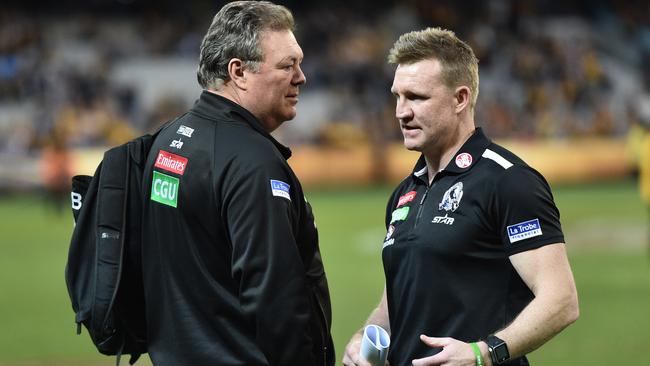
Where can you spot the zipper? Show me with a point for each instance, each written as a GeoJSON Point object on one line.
{"type": "Point", "coordinates": [420, 206]}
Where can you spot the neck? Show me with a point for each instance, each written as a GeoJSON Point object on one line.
{"type": "Point", "coordinates": [233, 95]}
{"type": "Point", "coordinates": [229, 93]}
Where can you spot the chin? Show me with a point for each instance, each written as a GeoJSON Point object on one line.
{"type": "Point", "coordinates": [412, 145]}
{"type": "Point", "coordinates": [289, 115]}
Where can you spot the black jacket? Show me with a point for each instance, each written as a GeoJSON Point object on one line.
{"type": "Point", "coordinates": [233, 273]}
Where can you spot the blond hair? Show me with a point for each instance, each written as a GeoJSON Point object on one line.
{"type": "Point", "coordinates": [459, 64]}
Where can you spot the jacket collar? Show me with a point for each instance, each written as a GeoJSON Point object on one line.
{"type": "Point", "coordinates": [464, 159]}
{"type": "Point", "coordinates": [216, 107]}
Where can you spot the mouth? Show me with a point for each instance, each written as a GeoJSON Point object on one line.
{"type": "Point", "coordinates": [406, 127]}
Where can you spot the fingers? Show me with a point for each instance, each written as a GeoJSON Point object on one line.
{"type": "Point", "coordinates": [437, 359]}
{"type": "Point", "coordinates": [352, 356]}
{"type": "Point", "coordinates": [434, 342]}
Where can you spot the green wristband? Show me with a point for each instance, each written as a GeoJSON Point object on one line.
{"type": "Point", "coordinates": [477, 353]}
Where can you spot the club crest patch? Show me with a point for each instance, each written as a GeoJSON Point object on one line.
{"type": "Point", "coordinates": [451, 198]}
{"type": "Point", "coordinates": [280, 189]}
{"type": "Point", "coordinates": [524, 230]}
{"type": "Point", "coordinates": [463, 160]}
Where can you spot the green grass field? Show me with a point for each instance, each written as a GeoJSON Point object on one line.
{"type": "Point", "coordinates": [605, 226]}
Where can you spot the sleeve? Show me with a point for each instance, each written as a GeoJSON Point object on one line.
{"type": "Point", "coordinates": [527, 215]}
{"type": "Point", "coordinates": [261, 217]}
{"type": "Point", "coordinates": [390, 205]}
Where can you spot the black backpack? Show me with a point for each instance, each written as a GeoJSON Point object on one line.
{"type": "Point", "coordinates": [104, 270]}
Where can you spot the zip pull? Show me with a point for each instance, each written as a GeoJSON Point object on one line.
{"type": "Point", "coordinates": [424, 196]}
{"type": "Point", "coordinates": [417, 216]}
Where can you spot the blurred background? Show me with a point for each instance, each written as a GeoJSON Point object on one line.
{"type": "Point", "coordinates": [564, 84]}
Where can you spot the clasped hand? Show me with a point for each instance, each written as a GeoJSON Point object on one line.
{"type": "Point", "coordinates": [454, 353]}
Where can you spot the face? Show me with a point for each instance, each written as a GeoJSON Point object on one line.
{"type": "Point", "coordinates": [272, 92]}
{"type": "Point", "coordinates": [425, 107]}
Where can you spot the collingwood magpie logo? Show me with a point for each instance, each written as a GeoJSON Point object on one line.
{"type": "Point", "coordinates": [450, 202]}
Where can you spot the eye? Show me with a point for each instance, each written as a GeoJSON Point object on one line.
{"type": "Point", "coordinates": [413, 96]}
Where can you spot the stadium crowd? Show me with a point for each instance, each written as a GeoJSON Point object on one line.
{"type": "Point", "coordinates": [99, 74]}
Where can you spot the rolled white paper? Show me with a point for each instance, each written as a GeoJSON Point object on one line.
{"type": "Point", "coordinates": [374, 345]}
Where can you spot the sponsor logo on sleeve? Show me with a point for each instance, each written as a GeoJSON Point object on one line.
{"type": "Point", "coordinates": [171, 162]}
{"type": "Point", "coordinates": [177, 144]}
{"type": "Point", "coordinates": [463, 160]}
{"type": "Point", "coordinates": [524, 230]}
{"type": "Point", "coordinates": [280, 189]}
{"type": "Point", "coordinates": [185, 131]}
{"type": "Point", "coordinates": [408, 197]}
{"type": "Point", "coordinates": [164, 189]}
{"type": "Point", "coordinates": [399, 214]}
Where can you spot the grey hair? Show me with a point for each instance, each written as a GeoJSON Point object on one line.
{"type": "Point", "coordinates": [458, 61]}
{"type": "Point", "coordinates": [236, 32]}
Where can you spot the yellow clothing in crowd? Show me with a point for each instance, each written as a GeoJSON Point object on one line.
{"type": "Point", "coordinates": [644, 167]}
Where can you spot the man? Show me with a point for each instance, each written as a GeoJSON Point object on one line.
{"type": "Point", "coordinates": [233, 273]}
{"type": "Point", "coordinates": [474, 255]}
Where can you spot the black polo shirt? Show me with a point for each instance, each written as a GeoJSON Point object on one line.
{"type": "Point", "coordinates": [447, 246]}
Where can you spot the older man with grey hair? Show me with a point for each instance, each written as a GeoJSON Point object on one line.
{"type": "Point", "coordinates": [232, 271]}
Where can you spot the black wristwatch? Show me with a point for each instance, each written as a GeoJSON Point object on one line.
{"type": "Point", "coordinates": [498, 350]}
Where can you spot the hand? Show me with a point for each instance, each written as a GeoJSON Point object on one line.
{"type": "Point", "coordinates": [454, 353]}
{"type": "Point", "coordinates": [352, 356]}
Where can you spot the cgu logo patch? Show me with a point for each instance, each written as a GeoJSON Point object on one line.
{"type": "Point", "coordinates": [408, 197]}
{"type": "Point", "coordinates": [164, 189]}
{"type": "Point", "coordinates": [399, 214]}
{"type": "Point", "coordinates": [171, 162]}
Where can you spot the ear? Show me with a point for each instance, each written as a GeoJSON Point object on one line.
{"type": "Point", "coordinates": [462, 98]}
{"type": "Point", "coordinates": [236, 73]}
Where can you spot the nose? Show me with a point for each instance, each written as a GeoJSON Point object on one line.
{"type": "Point", "coordinates": [299, 77]}
{"type": "Point", "coordinates": [403, 111]}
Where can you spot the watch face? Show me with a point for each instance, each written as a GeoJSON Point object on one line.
{"type": "Point", "coordinates": [498, 350]}
{"type": "Point", "coordinates": [501, 352]}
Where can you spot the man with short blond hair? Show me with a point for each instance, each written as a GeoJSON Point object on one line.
{"type": "Point", "coordinates": [474, 256]}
